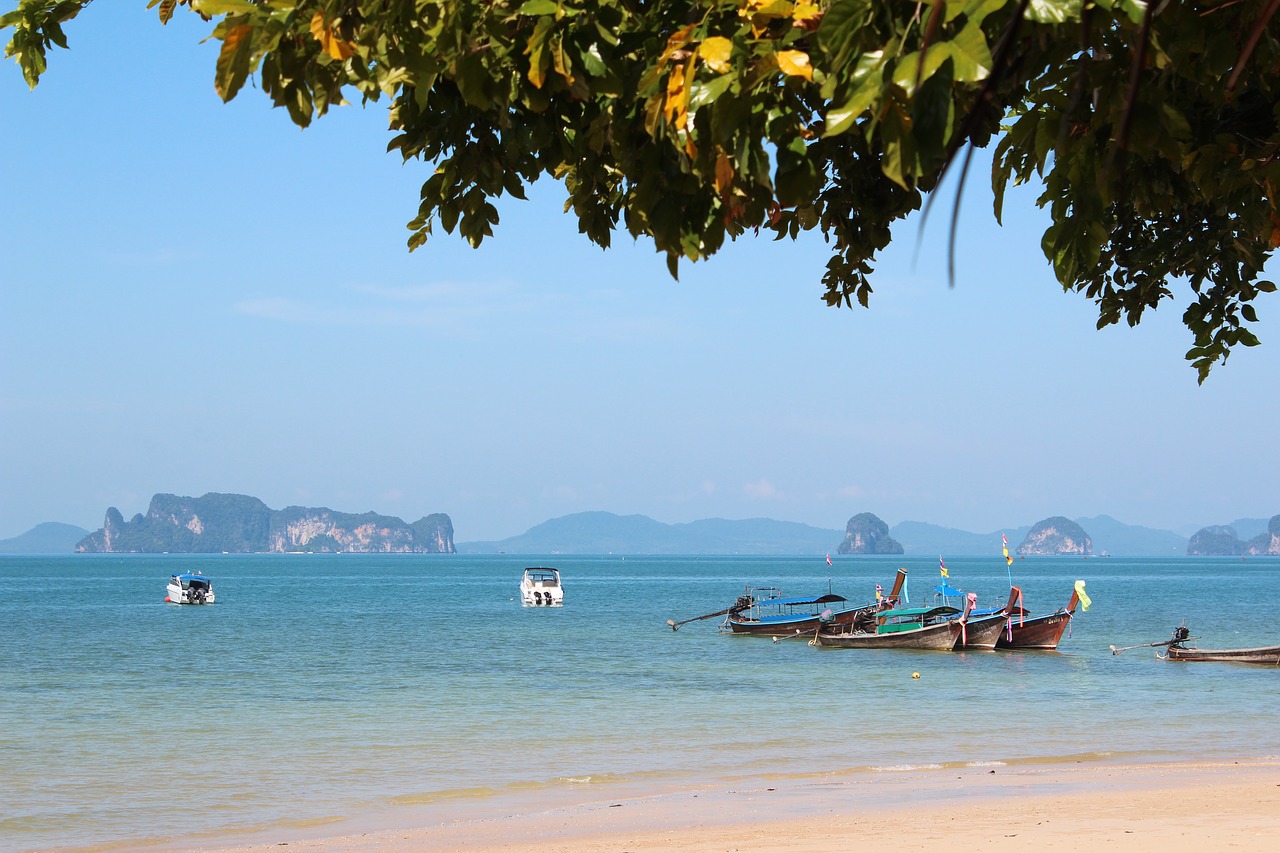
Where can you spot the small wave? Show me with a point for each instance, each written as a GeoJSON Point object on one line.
{"type": "Point", "coordinates": [905, 768]}
{"type": "Point", "coordinates": [429, 797]}
{"type": "Point", "coordinates": [986, 764]}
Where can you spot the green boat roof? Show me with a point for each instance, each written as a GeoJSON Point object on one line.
{"type": "Point", "coordinates": [919, 611]}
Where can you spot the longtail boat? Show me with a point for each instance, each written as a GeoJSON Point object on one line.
{"type": "Point", "coordinates": [1177, 650]}
{"type": "Point", "coordinates": [1041, 632]}
{"type": "Point", "coordinates": [1268, 655]}
{"type": "Point", "coordinates": [935, 628]}
{"type": "Point", "coordinates": [774, 616]}
{"type": "Point", "coordinates": [985, 628]}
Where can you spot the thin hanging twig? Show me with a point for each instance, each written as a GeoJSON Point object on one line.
{"type": "Point", "coordinates": [1254, 36]}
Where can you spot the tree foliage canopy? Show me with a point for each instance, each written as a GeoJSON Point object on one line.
{"type": "Point", "coordinates": [1154, 128]}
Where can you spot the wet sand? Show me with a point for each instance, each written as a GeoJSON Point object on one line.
{"type": "Point", "coordinates": [1148, 807]}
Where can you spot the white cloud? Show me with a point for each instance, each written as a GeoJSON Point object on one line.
{"type": "Point", "coordinates": [762, 488]}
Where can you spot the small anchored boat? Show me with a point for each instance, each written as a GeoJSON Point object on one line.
{"type": "Point", "coordinates": [541, 587]}
{"type": "Point", "coordinates": [1176, 650]}
{"type": "Point", "coordinates": [189, 588]}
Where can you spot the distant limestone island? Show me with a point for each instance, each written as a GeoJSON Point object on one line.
{"type": "Point", "coordinates": [1222, 541]}
{"type": "Point", "coordinates": [1056, 536]}
{"type": "Point", "coordinates": [239, 524]}
{"type": "Point", "coordinates": [867, 534]}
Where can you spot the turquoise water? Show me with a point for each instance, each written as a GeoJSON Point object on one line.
{"type": "Point", "coordinates": [322, 688]}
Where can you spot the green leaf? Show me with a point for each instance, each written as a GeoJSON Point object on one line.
{"type": "Point", "coordinates": [910, 72]}
{"type": "Point", "coordinates": [539, 58]}
{"type": "Point", "coordinates": [867, 89]}
{"type": "Point", "coordinates": [539, 7]}
{"type": "Point", "coordinates": [704, 93]}
{"type": "Point", "coordinates": [233, 61]}
{"type": "Point", "coordinates": [970, 53]}
{"type": "Point", "coordinates": [839, 31]}
{"type": "Point", "coordinates": [1054, 11]}
{"type": "Point", "coordinates": [223, 7]}
{"type": "Point", "coordinates": [797, 177]}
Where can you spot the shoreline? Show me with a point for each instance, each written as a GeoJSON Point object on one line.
{"type": "Point", "coordinates": [1072, 807]}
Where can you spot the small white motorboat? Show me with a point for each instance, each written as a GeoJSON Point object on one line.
{"type": "Point", "coordinates": [189, 588]}
{"type": "Point", "coordinates": [540, 587]}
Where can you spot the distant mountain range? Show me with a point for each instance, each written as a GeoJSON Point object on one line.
{"type": "Point", "coordinates": [606, 532]}
{"type": "Point", "coordinates": [51, 537]}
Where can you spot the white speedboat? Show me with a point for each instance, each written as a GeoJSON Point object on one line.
{"type": "Point", "coordinates": [540, 587]}
{"type": "Point", "coordinates": [189, 588]}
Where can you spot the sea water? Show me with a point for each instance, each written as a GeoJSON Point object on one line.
{"type": "Point", "coordinates": [327, 687]}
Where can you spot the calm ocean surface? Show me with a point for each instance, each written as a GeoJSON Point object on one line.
{"type": "Point", "coordinates": [320, 688]}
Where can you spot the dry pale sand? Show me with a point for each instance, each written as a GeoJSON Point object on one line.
{"type": "Point", "coordinates": [1201, 807]}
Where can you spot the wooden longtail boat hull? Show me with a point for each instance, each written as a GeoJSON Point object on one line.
{"type": "Point", "coordinates": [1041, 632]}
{"type": "Point", "coordinates": [1267, 655]}
{"type": "Point", "coordinates": [940, 637]}
{"type": "Point", "coordinates": [798, 625]}
{"type": "Point", "coordinates": [983, 633]}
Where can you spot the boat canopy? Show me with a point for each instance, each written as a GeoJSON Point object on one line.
{"type": "Point", "coordinates": [947, 590]}
{"type": "Point", "coordinates": [919, 612]}
{"type": "Point", "coordinates": [825, 598]}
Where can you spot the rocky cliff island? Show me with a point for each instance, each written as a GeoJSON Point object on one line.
{"type": "Point", "coordinates": [1055, 536]}
{"type": "Point", "coordinates": [1221, 541]}
{"type": "Point", "coordinates": [239, 524]}
{"type": "Point", "coordinates": [867, 534]}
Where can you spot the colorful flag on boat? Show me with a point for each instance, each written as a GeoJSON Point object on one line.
{"type": "Point", "coordinates": [1007, 559]}
{"type": "Point", "coordinates": [942, 567]}
{"type": "Point", "coordinates": [879, 592]}
{"type": "Point", "coordinates": [828, 559]}
{"type": "Point", "coordinates": [1084, 599]}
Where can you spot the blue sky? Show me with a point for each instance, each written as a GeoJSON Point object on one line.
{"type": "Point", "coordinates": [201, 297]}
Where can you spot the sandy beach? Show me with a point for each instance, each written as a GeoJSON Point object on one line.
{"type": "Point", "coordinates": [1157, 807]}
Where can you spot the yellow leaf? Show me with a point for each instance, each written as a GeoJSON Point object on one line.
{"type": "Point", "coordinates": [329, 43]}
{"type": "Point", "coordinates": [560, 60]}
{"type": "Point", "coordinates": [795, 63]}
{"type": "Point", "coordinates": [677, 41]}
{"type": "Point", "coordinates": [724, 173]}
{"type": "Point", "coordinates": [806, 15]}
{"type": "Point", "coordinates": [318, 29]}
{"type": "Point", "coordinates": [676, 110]}
{"type": "Point", "coordinates": [715, 51]}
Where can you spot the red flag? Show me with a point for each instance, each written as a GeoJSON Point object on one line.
{"type": "Point", "coordinates": [828, 559]}
{"type": "Point", "coordinates": [1005, 538]}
